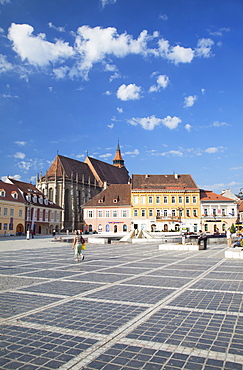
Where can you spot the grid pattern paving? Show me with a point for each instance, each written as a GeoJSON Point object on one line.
{"type": "Point", "coordinates": [126, 306]}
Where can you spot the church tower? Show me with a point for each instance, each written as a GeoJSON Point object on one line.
{"type": "Point", "coordinates": [118, 160]}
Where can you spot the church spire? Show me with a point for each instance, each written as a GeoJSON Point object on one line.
{"type": "Point", "coordinates": [118, 160]}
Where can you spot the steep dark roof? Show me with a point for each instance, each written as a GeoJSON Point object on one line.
{"type": "Point", "coordinates": [68, 166]}
{"type": "Point", "coordinates": [26, 188]}
{"type": "Point", "coordinates": [107, 172]}
{"type": "Point", "coordinates": [115, 195]}
{"type": "Point", "coordinates": [9, 190]}
{"type": "Point", "coordinates": [161, 182]}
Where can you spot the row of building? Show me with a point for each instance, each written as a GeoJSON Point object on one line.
{"type": "Point", "coordinates": [95, 196]}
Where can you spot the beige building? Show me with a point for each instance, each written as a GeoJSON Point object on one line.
{"type": "Point", "coordinates": [12, 210]}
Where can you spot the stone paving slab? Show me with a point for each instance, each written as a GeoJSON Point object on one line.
{"type": "Point", "coordinates": [126, 307]}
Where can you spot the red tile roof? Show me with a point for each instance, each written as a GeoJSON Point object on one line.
{"type": "Point", "coordinates": [121, 193]}
{"type": "Point", "coordinates": [163, 182]}
{"type": "Point", "coordinates": [209, 196]}
{"type": "Point", "coordinates": [10, 189]}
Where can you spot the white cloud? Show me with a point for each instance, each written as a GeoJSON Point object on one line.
{"type": "Point", "coordinates": [119, 110]}
{"type": "Point", "coordinates": [20, 143]}
{"type": "Point", "coordinates": [176, 54]}
{"type": "Point", "coordinates": [111, 125]}
{"type": "Point", "coordinates": [203, 91]}
{"type": "Point", "coordinates": [36, 49]}
{"type": "Point", "coordinates": [129, 92]}
{"type": "Point", "coordinates": [16, 177]}
{"type": "Point", "coordinates": [135, 152]}
{"type": "Point", "coordinates": [204, 48]}
{"type": "Point", "coordinates": [162, 82]}
{"type": "Point", "coordinates": [19, 155]}
{"type": "Point", "coordinates": [108, 93]}
{"type": "Point", "coordinates": [188, 127]}
{"type": "Point", "coordinates": [59, 29]}
{"type": "Point", "coordinates": [189, 101]}
{"type": "Point", "coordinates": [213, 150]}
{"type": "Point", "coordinates": [149, 123]}
{"type": "Point", "coordinates": [4, 64]}
{"type": "Point", "coordinates": [2, 2]}
{"type": "Point", "coordinates": [164, 17]}
{"type": "Point", "coordinates": [25, 166]}
{"type": "Point", "coordinates": [61, 72]}
{"type": "Point", "coordinates": [106, 2]}
{"type": "Point", "coordinates": [219, 124]}
{"type": "Point", "coordinates": [105, 156]}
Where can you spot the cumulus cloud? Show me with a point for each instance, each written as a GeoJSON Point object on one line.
{"type": "Point", "coordinates": [204, 47]}
{"type": "Point", "coordinates": [36, 49]}
{"type": "Point", "coordinates": [25, 166]}
{"type": "Point", "coordinates": [189, 101]}
{"type": "Point", "coordinates": [61, 72]}
{"type": "Point", "coordinates": [149, 123]}
{"type": "Point", "coordinates": [219, 124]}
{"type": "Point", "coordinates": [129, 92]}
{"type": "Point", "coordinates": [213, 150]}
{"type": "Point", "coordinates": [105, 156]}
{"type": "Point", "coordinates": [20, 143]}
{"type": "Point", "coordinates": [162, 82]}
{"type": "Point", "coordinates": [97, 45]}
{"type": "Point", "coordinates": [119, 110]}
{"type": "Point", "coordinates": [4, 64]}
{"type": "Point", "coordinates": [19, 155]}
{"type": "Point", "coordinates": [106, 2]}
{"type": "Point", "coordinates": [188, 127]}
{"type": "Point", "coordinates": [133, 153]}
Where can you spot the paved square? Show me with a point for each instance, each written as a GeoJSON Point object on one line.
{"type": "Point", "coordinates": [126, 306]}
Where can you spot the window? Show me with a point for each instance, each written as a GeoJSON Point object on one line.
{"type": "Point", "coordinates": [5, 226]}
{"type": "Point", "coordinates": [107, 213]}
{"type": "Point", "coordinates": [0, 211]}
{"type": "Point", "coordinates": [223, 211]}
{"type": "Point", "coordinates": [205, 212]}
{"type": "Point", "coordinates": [165, 199]}
{"type": "Point", "coordinates": [173, 199]}
{"type": "Point", "coordinates": [195, 228]}
{"type": "Point", "coordinates": [165, 213]}
{"type": "Point", "coordinates": [158, 212]}
{"type": "Point", "coordinates": [124, 227]}
{"type": "Point", "coordinates": [90, 214]}
{"type": "Point", "coordinates": [114, 213]}
{"type": "Point", "coordinates": [99, 213]}
{"type": "Point", "coordinates": [14, 195]}
{"type": "Point", "coordinates": [232, 212]}
{"type": "Point", "coordinates": [2, 193]}
{"type": "Point", "coordinates": [150, 213]}
{"type": "Point", "coordinates": [206, 227]}
{"type": "Point", "coordinates": [135, 212]}
{"type": "Point", "coordinates": [143, 199]}
{"type": "Point", "coordinates": [157, 199]}
{"type": "Point", "coordinates": [143, 213]}
{"type": "Point", "coordinates": [214, 211]}
{"type": "Point", "coordinates": [180, 199]}
{"type": "Point", "coordinates": [135, 199]}
{"type": "Point", "coordinates": [41, 214]}
{"type": "Point", "coordinates": [188, 212]}
{"type": "Point", "coordinates": [5, 211]}
{"type": "Point", "coordinates": [195, 213]}
{"type": "Point", "coordinates": [194, 199]}
{"type": "Point", "coordinates": [180, 212]}
{"type": "Point", "coordinates": [0, 226]}
{"type": "Point", "coordinates": [11, 212]}
{"type": "Point", "coordinates": [150, 200]}
{"type": "Point", "coordinates": [173, 213]}
{"type": "Point", "coordinates": [187, 199]}
{"type": "Point", "coordinates": [124, 213]}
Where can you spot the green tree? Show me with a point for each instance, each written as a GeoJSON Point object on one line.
{"type": "Point", "coordinates": [232, 229]}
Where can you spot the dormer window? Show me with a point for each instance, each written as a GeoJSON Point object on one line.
{"type": "Point", "coordinates": [100, 201]}
{"type": "Point", "coordinates": [14, 194]}
{"type": "Point", "coordinates": [35, 199]}
{"type": "Point", "coordinates": [2, 193]}
{"type": "Point", "coordinates": [114, 200]}
{"type": "Point", "coordinates": [28, 197]}
{"type": "Point", "coordinates": [46, 201]}
{"type": "Point", "coordinates": [41, 200]}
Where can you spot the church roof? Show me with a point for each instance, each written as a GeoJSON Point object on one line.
{"type": "Point", "coordinates": [163, 182]}
{"type": "Point", "coordinates": [105, 172]}
{"type": "Point", "coordinates": [68, 166]}
{"type": "Point", "coordinates": [115, 195]}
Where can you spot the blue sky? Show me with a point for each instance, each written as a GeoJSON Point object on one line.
{"type": "Point", "coordinates": [163, 77]}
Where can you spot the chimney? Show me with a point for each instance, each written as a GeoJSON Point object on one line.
{"type": "Point", "coordinates": [176, 176]}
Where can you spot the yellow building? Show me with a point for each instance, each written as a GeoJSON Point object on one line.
{"type": "Point", "coordinates": [165, 203]}
{"type": "Point", "coordinates": [12, 210]}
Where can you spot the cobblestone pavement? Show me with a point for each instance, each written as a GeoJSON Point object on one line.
{"type": "Point", "coordinates": [126, 306]}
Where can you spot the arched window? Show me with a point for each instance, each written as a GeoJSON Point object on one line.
{"type": "Point", "coordinates": [107, 228]}
{"type": "Point", "coordinates": [115, 228]}
{"type": "Point", "coordinates": [124, 228]}
{"type": "Point", "coordinates": [50, 194]}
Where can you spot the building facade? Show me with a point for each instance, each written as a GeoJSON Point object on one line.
{"type": "Point", "coordinates": [41, 215]}
{"type": "Point", "coordinates": [109, 211]}
{"type": "Point", "coordinates": [217, 212]}
{"type": "Point", "coordinates": [71, 183]}
{"type": "Point", "coordinates": [12, 210]}
{"type": "Point", "coordinates": [165, 203]}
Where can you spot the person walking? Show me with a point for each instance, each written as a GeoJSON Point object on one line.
{"type": "Point", "coordinates": [202, 237]}
{"type": "Point", "coordinates": [229, 237]}
{"type": "Point", "coordinates": [78, 245]}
